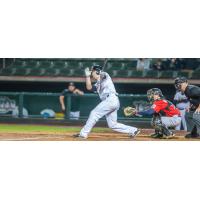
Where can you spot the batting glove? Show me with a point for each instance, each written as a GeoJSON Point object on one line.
{"type": "Point", "coordinates": [87, 72]}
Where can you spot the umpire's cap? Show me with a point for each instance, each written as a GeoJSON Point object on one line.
{"type": "Point", "coordinates": [178, 81]}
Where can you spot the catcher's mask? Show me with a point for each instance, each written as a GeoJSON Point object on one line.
{"type": "Point", "coordinates": [152, 92]}
{"type": "Point", "coordinates": [97, 68]}
{"type": "Point", "coordinates": [178, 81]}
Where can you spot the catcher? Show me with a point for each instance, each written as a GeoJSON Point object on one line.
{"type": "Point", "coordinates": [165, 114]}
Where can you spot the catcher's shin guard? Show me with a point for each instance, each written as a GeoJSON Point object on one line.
{"type": "Point", "coordinates": [156, 121]}
{"type": "Point", "coordinates": [157, 134]}
{"type": "Point", "coordinates": [166, 131]}
{"type": "Point", "coordinates": [159, 126]}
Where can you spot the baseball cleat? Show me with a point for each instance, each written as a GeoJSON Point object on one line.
{"type": "Point", "coordinates": [135, 133]}
{"type": "Point", "coordinates": [79, 136]}
{"type": "Point", "coordinates": [192, 135]}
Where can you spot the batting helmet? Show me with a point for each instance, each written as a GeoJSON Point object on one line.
{"type": "Point", "coordinates": [152, 92]}
{"type": "Point", "coordinates": [97, 68]}
{"type": "Point", "coordinates": [178, 81]}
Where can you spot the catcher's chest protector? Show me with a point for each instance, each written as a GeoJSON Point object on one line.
{"type": "Point", "coordinates": [165, 108]}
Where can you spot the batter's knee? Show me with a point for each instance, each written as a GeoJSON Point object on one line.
{"type": "Point", "coordinates": [94, 115]}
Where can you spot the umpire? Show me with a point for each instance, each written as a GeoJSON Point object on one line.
{"type": "Point", "coordinates": [193, 114]}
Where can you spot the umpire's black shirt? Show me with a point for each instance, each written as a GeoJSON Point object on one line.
{"type": "Point", "coordinates": [193, 94]}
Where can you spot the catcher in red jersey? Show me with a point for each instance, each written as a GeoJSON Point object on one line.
{"type": "Point", "coordinates": [165, 114]}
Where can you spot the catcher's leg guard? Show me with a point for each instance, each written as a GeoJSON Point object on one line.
{"type": "Point", "coordinates": [155, 120]}
{"type": "Point", "coordinates": [160, 128]}
{"type": "Point", "coordinates": [157, 134]}
{"type": "Point", "coordinates": [166, 132]}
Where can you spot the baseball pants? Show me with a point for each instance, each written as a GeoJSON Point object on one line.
{"type": "Point", "coordinates": [171, 122]}
{"type": "Point", "coordinates": [193, 120]}
{"type": "Point", "coordinates": [107, 108]}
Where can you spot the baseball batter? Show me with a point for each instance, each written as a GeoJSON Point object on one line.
{"type": "Point", "coordinates": [109, 103]}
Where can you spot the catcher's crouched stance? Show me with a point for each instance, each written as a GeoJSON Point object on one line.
{"type": "Point", "coordinates": [165, 114]}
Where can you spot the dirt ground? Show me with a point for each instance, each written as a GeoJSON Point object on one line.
{"type": "Point", "coordinates": [95, 136]}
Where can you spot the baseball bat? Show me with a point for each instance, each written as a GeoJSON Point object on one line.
{"type": "Point", "coordinates": [105, 63]}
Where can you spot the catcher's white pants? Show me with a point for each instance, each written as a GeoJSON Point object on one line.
{"type": "Point", "coordinates": [171, 122]}
{"type": "Point", "coordinates": [108, 108]}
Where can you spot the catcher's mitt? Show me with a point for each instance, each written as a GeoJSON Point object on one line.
{"type": "Point", "coordinates": [130, 111]}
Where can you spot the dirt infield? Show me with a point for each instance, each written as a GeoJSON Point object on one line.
{"type": "Point", "coordinates": [94, 136]}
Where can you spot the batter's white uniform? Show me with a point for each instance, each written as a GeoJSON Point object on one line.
{"type": "Point", "coordinates": [108, 107]}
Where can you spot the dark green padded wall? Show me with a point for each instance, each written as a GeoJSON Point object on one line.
{"type": "Point", "coordinates": [35, 104]}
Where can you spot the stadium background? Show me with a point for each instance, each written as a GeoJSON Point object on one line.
{"type": "Point", "coordinates": [42, 80]}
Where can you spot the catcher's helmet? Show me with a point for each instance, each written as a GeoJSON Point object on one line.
{"type": "Point", "coordinates": [152, 92]}
{"type": "Point", "coordinates": [178, 81]}
{"type": "Point", "coordinates": [97, 68]}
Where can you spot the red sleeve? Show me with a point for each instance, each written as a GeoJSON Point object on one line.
{"type": "Point", "coordinates": [159, 105]}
